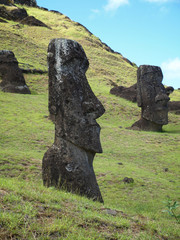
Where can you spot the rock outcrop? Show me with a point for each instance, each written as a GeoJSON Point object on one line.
{"type": "Point", "coordinates": [129, 93]}
{"type": "Point", "coordinates": [12, 78]}
{"type": "Point", "coordinates": [32, 21]}
{"type": "Point", "coordinates": [31, 3]}
{"type": "Point", "coordinates": [6, 2]}
{"type": "Point", "coordinates": [174, 106]}
{"type": "Point", "coordinates": [20, 15]}
{"type": "Point", "coordinates": [15, 14]}
{"type": "Point", "coordinates": [152, 98]}
{"type": "Point", "coordinates": [74, 109]}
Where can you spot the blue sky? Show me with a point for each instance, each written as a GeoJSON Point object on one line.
{"type": "Point", "coordinates": [144, 31]}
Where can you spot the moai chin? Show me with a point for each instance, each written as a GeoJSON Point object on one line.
{"type": "Point", "coordinates": [74, 109]}
{"type": "Point", "coordinates": [153, 99]}
{"type": "Point", "coordinates": [12, 77]}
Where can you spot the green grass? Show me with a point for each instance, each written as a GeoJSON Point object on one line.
{"type": "Point", "coordinates": [28, 210]}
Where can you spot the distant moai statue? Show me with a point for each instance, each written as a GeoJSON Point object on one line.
{"type": "Point", "coordinates": [74, 109]}
{"type": "Point", "coordinates": [153, 99]}
{"type": "Point", "coordinates": [31, 3]}
{"type": "Point", "coordinates": [12, 77]}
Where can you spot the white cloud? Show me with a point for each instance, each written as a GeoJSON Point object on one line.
{"type": "Point", "coordinates": [96, 11]}
{"type": "Point", "coordinates": [115, 4]}
{"type": "Point", "coordinates": [171, 72]}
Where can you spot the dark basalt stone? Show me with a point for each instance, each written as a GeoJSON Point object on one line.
{"type": "Point", "coordinates": [6, 2]}
{"type": "Point", "coordinates": [20, 15]}
{"type": "Point", "coordinates": [16, 14]}
{"type": "Point", "coordinates": [12, 78]}
{"type": "Point", "coordinates": [31, 3]}
{"type": "Point", "coordinates": [152, 98]}
{"type": "Point", "coordinates": [128, 180]}
{"type": "Point", "coordinates": [74, 109]}
{"type": "Point", "coordinates": [174, 106]}
{"type": "Point", "coordinates": [129, 93]}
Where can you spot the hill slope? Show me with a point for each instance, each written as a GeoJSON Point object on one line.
{"type": "Point", "coordinates": [131, 211]}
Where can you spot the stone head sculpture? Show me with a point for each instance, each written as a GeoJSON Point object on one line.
{"type": "Point", "coordinates": [72, 104]}
{"type": "Point", "coordinates": [152, 97]}
{"type": "Point", "coordinates": [74, 109]}
{"type": "Point", "coordinates": [12, 77]}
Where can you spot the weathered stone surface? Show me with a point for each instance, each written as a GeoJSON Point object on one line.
{"type": "Point", "coordinates": [152, 98]}
{"type": "Point", "coordinates": [174, 106]}
{"type": "Point", "coordinates": [129, 93]}
{"type": "Point", "coordinates": [31, 3]}
{"type": "Point", "coordinates": [74, 109]}
{"type": "Point", "coordinates": [169, 90]}
{"type": "Point", "coordinates": [20, 15]}
{"type": "Point", "coordinates": [12, 77]}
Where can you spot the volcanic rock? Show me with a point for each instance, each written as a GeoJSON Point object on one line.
{"type": "Point", "coordinates": [152, 98]}
{"type": "Point", "coordinates": [174, 106]}
{"type": "Point", "coordinates": [12, 78]}
{"type": "Point", "coordinates": [74, 109]}
{"type": "Point", "coordinates": [32, 21]}
{"type": "Point", "coordinates": [128, 180]}
{"type": "Point", "coordinates": [31, 3]}
{"type": "Point", "coordinates": [129, 93]}
{"type": "Point", "coordinates": [15, 14]}
{"type": "Point", "coordinates": [6, 2]}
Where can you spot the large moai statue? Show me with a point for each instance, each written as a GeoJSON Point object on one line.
{"type": "Point", "coordinates": [12, 77]}
{"type": "Point", "coordinates": [153, 99]}
{"type": "Point", "coordinates": [74, 109]}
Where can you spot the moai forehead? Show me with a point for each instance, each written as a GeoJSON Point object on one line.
{"type": "Point", "coordinates": [149, 83]}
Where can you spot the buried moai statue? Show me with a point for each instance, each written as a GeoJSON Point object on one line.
{"type": "Point", "coordinates": [12, 77]}
{"type": "Point", "coordinates": [74, 108]}
{"type": "Point", "coordinates": [153, 99]}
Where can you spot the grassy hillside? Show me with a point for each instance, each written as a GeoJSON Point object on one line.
{"type": "Point", "coordinates": [131, 211]}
